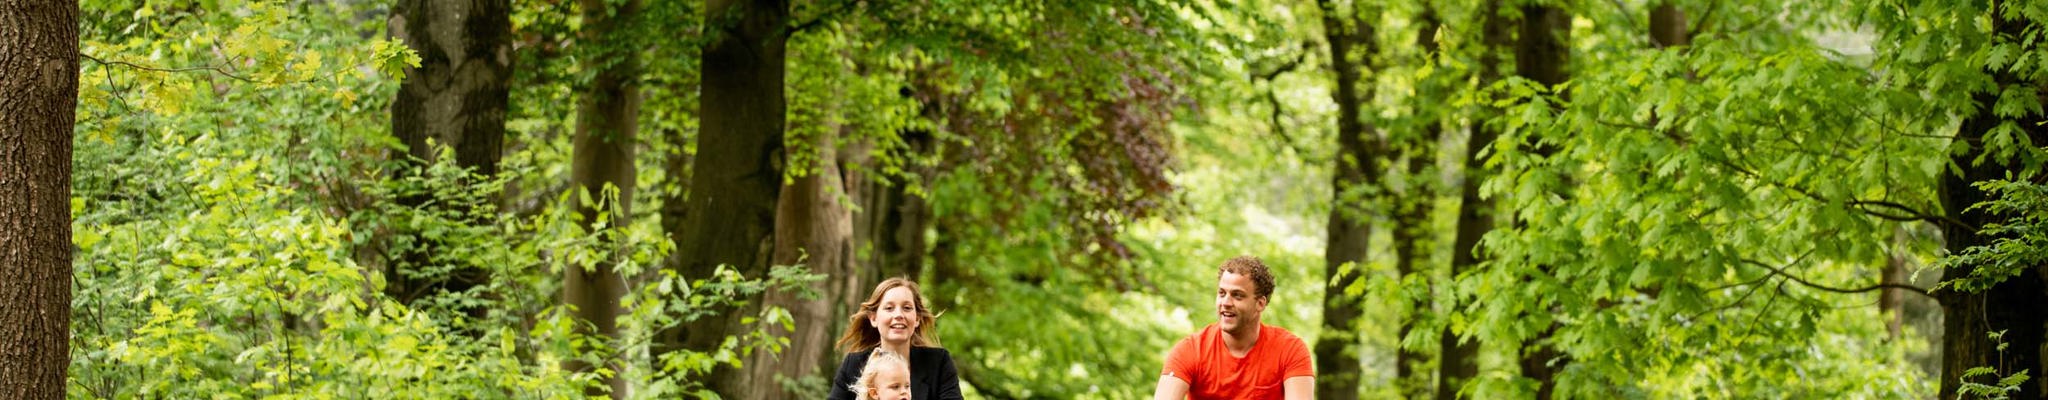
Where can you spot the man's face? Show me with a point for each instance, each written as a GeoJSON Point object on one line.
{"type": "Point", "coordinates": [1237, 302]}
{"type": "Point", "coordinates": [891, 384]}
{"type": "Point", "coordinates": [896, 316]}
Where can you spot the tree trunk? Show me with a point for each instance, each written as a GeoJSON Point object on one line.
{"type": "Point", "coordinates": [737, 176]}
{"type": "Point", "coordinates": [1413, 236]}
{"type": "Point", "coordinates": [1352, 173]}
{"type": "Point", "coordinates": [38, 99]}
{"type": "Point", "coordinates": [893, 220]}
{"type": "Point", "coordinates": [889, 229]}
{"type": "Point", "coordinates": [1542, 52]}
{"type": "Point", "coordinates": [814, 229]}
{"type": "Point", "coordinates": [1476, 215]}
{"type": "Point", "coordinates": [2013, 306]}
{"type": "Point", "coordinates": [456, 97]}
{"type": "Point", "coordinates": [1668, 27]}
{"type": "Point", "coordinates": [603, 156]}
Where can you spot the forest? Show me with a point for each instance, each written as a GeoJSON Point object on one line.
{"type": "Point", "coordinates": [645, 199]}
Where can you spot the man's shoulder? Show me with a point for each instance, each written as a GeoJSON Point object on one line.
{"type": "Point", "coordinates": [1281, 335]}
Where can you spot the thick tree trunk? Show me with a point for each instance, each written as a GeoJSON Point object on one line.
{"type": "Point", "coordinates": [457, 98]}
{"type": "Point", "coordinates": [603, 156]}
{"type": "Point", "coordinates": [738, 172]}
{"type": "Point", "coordinates": [1355, 170]}
{"type": "Point", "coordinates": [814, 229]}
{"type": "Point", "coordinates": [1542, 51]}
{"type": "Point", "coordinates": [892, 224]}
{"type": "Point", "coordinates": [889, 229]}
{"type": "Point", "coordinates": [1476, 215]}
{"type": "Point", "coordinates": [2015, 305]}
{"type": "Point", "coordinates": [38, 96]}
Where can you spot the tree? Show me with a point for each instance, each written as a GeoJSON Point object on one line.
{"type": "Point", "coordinates": [1998, 324]}
{"type": "Point", "coordinates": [38, 98]}
{"type": "Point", "coordinates": [602, 170]}
{"type": "Point", "coordinates": [1476, 214]}
{"type": "Point", "coordinates": [812, 228]}
{"type": "Point", "coordinates": [1414, 235]}
{"type": "Point", "coordinates": [1350, 30]}
{"type": "Point", "coordinates": [736, 177]}
{"type": "Point", "coordinates": [455, 99]}
{"type": "Point", "coordinates": [1542, 53]}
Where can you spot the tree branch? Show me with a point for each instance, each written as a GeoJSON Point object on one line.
{"type": "Point", "coordinates": [821, 18]}
{"type": "Point", "coordinates": [1274, 100]}
{"type": "Point", "coordinates": [212, 68]}
{"type": "Point", "coordinates": [1810, 284]}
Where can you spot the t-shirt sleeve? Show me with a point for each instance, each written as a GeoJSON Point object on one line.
{"type": "Point", "coordinates": [1299, 362]}
{"type": "Point", "coordinates": [1182, 361]}
{"type": "Point", "coordinates": [849, 371]}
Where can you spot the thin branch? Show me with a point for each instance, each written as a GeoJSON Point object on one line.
{"type": "Point", "coordinates": [1810, 284]}
{"type": "Point", "coordinates": [212, 68]}
{"type": "Point", "coordinates": [1289, 66]}
{"type": "Point", "coordinates": [820, 19]}
{"type": "Point", "coordinates": [1704, 18]}
{"type": "Point", "coordinates": [1630, 16]}
{"type": "Point", "coordinates": [1273, 99]}
{"type": "Point", "coordinates": [1753, 288]}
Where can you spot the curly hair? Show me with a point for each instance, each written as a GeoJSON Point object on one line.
{"type": "Point", "coordinates": [1251, 267]}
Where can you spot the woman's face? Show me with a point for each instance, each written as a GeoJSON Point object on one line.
{"type": "Point", "coordinates": [896, 316]}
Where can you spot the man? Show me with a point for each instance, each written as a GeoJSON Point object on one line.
{"type": "Point", "coordinates": [1238, 357]}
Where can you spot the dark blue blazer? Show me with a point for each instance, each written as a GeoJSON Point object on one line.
{"type": "Point", "coordinates": [932, 376]}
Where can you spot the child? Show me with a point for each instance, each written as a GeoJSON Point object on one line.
{"type": "Point", "coordinates": [887, 377]}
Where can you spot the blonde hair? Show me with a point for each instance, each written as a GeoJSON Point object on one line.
{"type": "Point", "coordinates": [860, 336]}
{"type": "Point", "coordinates": [877, 360]}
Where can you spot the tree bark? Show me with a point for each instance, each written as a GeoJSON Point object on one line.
{"type": "Point", "coordinates": [1413, 236]}
{"type": "Point", "coordinates": [1668, 27]}
{"type": "Point", "coordinates": [2013, 306]}
{"type": "Point", "coordinates": [811, 228]}
{"type": "Point", "coordinates": [1542, 52]}
{"type": "Point", "coordinates": [603, 156]}
{"type": "Point", "coordinates": [1353, 171]}
{"type": "Point", "coordinates": [38, 99]}
{"type": "Point", "coordinates": [457, 97]}
{"type": "Point", "coordinates": [737, 175]}
{"type": "Point", "coordinates": [1476, 215]}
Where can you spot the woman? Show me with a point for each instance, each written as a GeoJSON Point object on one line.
{"type": "Point", "coordinates": [896, 320]}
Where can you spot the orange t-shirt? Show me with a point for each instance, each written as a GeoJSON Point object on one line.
{"type": "Point", "coordinates": [1205, 363]}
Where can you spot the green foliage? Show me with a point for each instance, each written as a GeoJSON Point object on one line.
{"type": "Point", "coordinates": [1689, 218]}
{"type": "Point", "coordinates": [236, 229]}
{"type": "Point", "coordinates": [2004, 385]}
{"type": "Point", "coordinates": [2019, 244]}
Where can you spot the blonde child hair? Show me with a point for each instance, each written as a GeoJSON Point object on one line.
{"type": "Point", "coordinates": [878, 361]}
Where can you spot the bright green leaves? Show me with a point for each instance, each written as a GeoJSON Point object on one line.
{"type": "Point", "coordinates": [391, 58]}
{"type": "Point", "coordinates": [2019, 244]}
{"type": "Point", "coordinates": [1665, 195]}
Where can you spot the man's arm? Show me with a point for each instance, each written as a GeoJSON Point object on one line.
{"type": "Point", "coordinates": [1172, 388]}
{"type": "Point", "coordinates": [1300, 388]}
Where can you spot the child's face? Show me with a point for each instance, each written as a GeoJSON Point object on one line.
{"type": "Point", "coordinates": [891, 384]}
